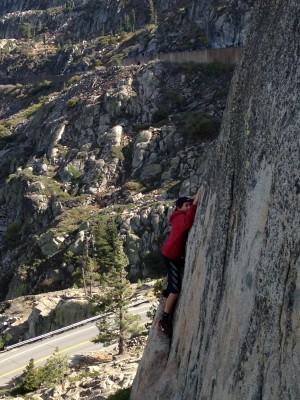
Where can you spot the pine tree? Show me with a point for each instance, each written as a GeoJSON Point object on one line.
{"type": "Point", "coordinates": [116, 296]}
{"type": "Point", "coordinates": [55, 369]}
{"type": "Point", "coordinates": [151, 12]}
{"type": "Point", "coordinates": [27, 30]}
{"type": "Point", "coordinates": [132, 18]}
{"type": "Point", "coordinates": [103, 245]}
{"type": "Point", "coordinates": [32, 379]}
{"type": "Point", "coordinates": [127, 24]}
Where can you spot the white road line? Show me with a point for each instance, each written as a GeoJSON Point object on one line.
{"type": "Point", "coordinates": [46, 343]}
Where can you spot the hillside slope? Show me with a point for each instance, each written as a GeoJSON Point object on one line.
{"type": "Point", "coordinates": [84, 141]}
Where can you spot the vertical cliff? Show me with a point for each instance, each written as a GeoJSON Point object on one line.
{"type": "Point", "coordinates": [236, 327]}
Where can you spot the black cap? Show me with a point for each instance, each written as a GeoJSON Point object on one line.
{"type": "Point", "coordinates": [179, 202]}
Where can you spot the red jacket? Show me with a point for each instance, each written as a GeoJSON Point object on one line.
{"type": "Point", "coordinates": [174, 245]}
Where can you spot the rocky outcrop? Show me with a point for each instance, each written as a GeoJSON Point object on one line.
{"type": "Point", "coordinates": [225, 23]}
{"type": "Point", "coordinates": [27, 317]}
{"type": "Point", "coordinates": [236, 327]}
{"type": "Point", "coordinates": [95, 375]}
{"type": "Point", "coordinates": [180, 25]}
{"type": "Point", "coordinates": [55, 37]}
{"type": "Point", "coordinates": [73, 20]}
{"type": "Point", "coordinates": [97, 145]}
{"type": "Point", "coordinates": [10, 6]}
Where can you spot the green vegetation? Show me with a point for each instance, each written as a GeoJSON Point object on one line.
{"type": "Point", "coordinates": [72, 80]}
{"type": "Point", "coordinates": [69, 220]}
{"type": "Point", "coordinates": [134, 186]}
{"type": "Point", "coordinates": [116, 292]}
{"type": "Point", "coordinates": [24, 114]}
{"type": "Point", "coordinates": [173, 98]}
{"type": "Point", "coordinates": [140, 127]}
{"type": "Point", "coordinates": [27, 30]}
{"type": "Point", "coordinates": [160, 115]}
{"type": "Point", "coordinates": [12, 235]}
{"type": "Point", "coordinates": [159, 285]}
{"type": "Point", "coordinates": [55, 369]}
{"type": "Point", "coordinates": [104, 244]}
{"type": "Point", "coordinates": [154, 262]}
{"type": "Point", "coordinates": [151, 12]}
{"type": "Point", "coordinates": [73, 101]}
{"type": "Point", "coordinates": [5, 340]}
{"type": "Point", "coordinates": [74, 172]}
{"type": "Point", "coordinates": [5, 136]}
{"type": "Point", "coordinates": [31, 380]}
{"type": "Point", "coordinates": [52, 373]}
{"type": "Point", "coordinates": [204, 126]}
{"type": "Point", "coordinates": [69, 5]}
{"type": "Point", "coordinates": [3, 131]}
{"type": "Point", "coordinates": [116, 152]}
{"type": "Point", "coordinates": [41, 86]}
{"type": "Point", "coordinates": [122, 394]}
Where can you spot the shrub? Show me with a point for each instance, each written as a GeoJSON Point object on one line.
{"type": "Point", "coordinates": [54, 370]}
{"type": "Point", "coordinates": [3, 131]}
{"type": "Point", "coordinates": [132, 185]}
{"type": "Point", "coordinates": [201, 125]}
{"type": "Point", "coordinates": [31, 381]}
{"type": "Point", "coordinates": [4, 135]}
{"type": "Point", "coordinates": [116, 152]}
{"type": "Point", "coordinates": [24, 114]}
{"type": "Point", "coordinates": [173, 98]}
{"type": "Point", "coordinates": [159, 285]}
{"type": "Point", "coordinates": [122, 394]}
{"type": "Point", "coordinates": [12, 235]}
{"type": "Point", "coordinates": [75, 173]}
{"type": "Point", "coordinates": [140, 127]}
{"type": "Point", "coordinates": [49, 375]}
{"type": "Point", "coordinates": [73, 101]}
{"type": "Point", "coordinates": [26, 30]}
{"type": "Point", "coordinates": [159, 115]}
{"type": "Point", "coordinates": [116, 60]}
{"type": "Point", "coordinates": [5, 340]}
{"type": "Point", "coordinates": [154, 262]}
{"type": "Point", "coordinates": [41, 86]}
{"type": "Point", "coordinates": [73, 80]}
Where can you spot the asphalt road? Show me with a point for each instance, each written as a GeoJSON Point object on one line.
{"type": "Point", "coordinates": [71, 342]}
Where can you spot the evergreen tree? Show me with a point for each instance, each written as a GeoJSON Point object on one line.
{"type": "Point", "coordinates": [127, 24]}
{"type": "Point", "coordinates": [132, 18]}
{"type": "Point", "coordinates": [5, 340]}
{"type": "Point", "coordinates": [27, 30]}
{"type": "Point", "coordinates": [116, 296]}
{"type": "Point", "coordinates": [151, 12]}
{"type": "Point", "coordinates": [103, 245]}
{"type": "Point", "coordinates": [55, 369]}
{"type": "Point", "coordinates": [31, 380]}
{"type": "Point", "coordinates": [89, 265]}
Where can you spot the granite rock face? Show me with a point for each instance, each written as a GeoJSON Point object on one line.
{"type": "Point", "coordinates": [195, 23]}
{"type": "Point", "coordinates": [236, 327]}
{"type": "Point", "coordinates": [225, 23]}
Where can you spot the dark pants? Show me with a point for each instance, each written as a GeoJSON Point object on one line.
{"type": "Point", "coordinates": [174, 268]}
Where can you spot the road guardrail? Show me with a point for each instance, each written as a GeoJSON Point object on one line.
{"type": "Point", "coordinates": [66, 328]}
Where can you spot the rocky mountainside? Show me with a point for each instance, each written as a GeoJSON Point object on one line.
{"type": "Point", "coordinates": [74, 36]}
{"type": "Point", "coordinates": [127, 138]}
{"type": "Point", "coordinates": [84, 141]}
{"type": "Point", "coordinates": [236, 328]}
